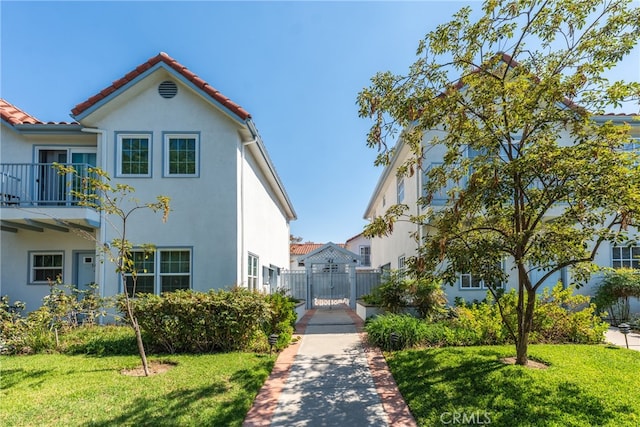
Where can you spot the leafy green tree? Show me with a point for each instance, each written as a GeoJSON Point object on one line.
{"type": "Point", "coordinates": [508, 100]}
{"type": "Point", "coordinates": [95, 190]}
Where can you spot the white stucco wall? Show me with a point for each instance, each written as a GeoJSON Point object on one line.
{"type": "Point", "coordinates": [266, 230]}
{"type": "Point", "coordinates": [203, 208]}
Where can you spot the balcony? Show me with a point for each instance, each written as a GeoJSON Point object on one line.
{"type": "Point", "coordinates": [34, 197]}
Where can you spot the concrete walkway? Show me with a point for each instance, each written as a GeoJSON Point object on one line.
{"type": "Point", "coordinates": [615, 337]}
{"type": "Point", "coordinates": [330, 378]}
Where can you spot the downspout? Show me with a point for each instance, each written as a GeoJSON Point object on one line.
{"type": "Point", "coordinates": [101, 271]}
{"type": "Point", "coordinates": [243, 257]}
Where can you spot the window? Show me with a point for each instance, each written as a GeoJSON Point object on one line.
{"type": "Point", "coordinates": [134, 154]}
{"type": "Point", "coordinates": [440, 197]}
{"type": "Point", "coordinates": [401, 262]}
{"type": "Point", "coordinates": [175, 270]}
{"type": "Point", "coordinates": [144, 266]}
{"type": "Point", "coordinates": [626, 256]}
{"type": "Point", "coordinates": [400, 185]}
{"type": "Point", "coordinates": [365, 254]}
{"type": "Point", "coordinates": [46, 267]}
{"type": "Point", "coordinates": [181, 153]}
{"type": "Point", "coordinates": [468, 281]}
{"type": "Point", "coordinates": [252, 274]}
{"type": "Point", "coordinates": [164, 270]}
{"type": "Point", "coordinates": [632, 147]}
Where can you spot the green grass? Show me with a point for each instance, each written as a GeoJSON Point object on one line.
{"type": "Point", "coordinates": [584, 385]}
{"type": "Point", "coordinates": [60, 390]}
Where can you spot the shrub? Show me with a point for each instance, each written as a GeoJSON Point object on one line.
{"type": "Point", "coordinates": [427, 296]}
{"type": "Point", "coordinates": [562, 317]}
{"type": "Point", "coordinates": [410, 331]}
{"type": "Point", "coordinates": [97, 340]}
{"type": "Point", "coordinates": [197, 322]}
{"type": "Point", "coordinates": [392, 294]}
{"type": "Point", "coordinates": [282, 320]}
{"type": "Point", "coordinates": [613, 293]}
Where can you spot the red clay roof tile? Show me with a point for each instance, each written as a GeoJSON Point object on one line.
{"type": "Point", "coordinates": [15, 116]}
{"type": "Point", "coordinates": [187, 74]}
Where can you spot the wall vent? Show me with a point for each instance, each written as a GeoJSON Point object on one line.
{"type": "Point", "coordinates": [167, 89]}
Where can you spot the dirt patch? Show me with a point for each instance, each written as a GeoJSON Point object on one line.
{"type": "Point", "coordinates": [155, 368]}
{"type": "Point", "coordinates": [530, 364]}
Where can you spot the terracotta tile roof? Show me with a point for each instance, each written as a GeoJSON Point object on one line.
{"type": "Point", "coordinates": [305, 248]}
{"type": "Point", "coordinates": [15, 116]}
{"type": "Point", "coordinates": [181, 69]}
{"type": "Point", "coordinates": [621, 114]}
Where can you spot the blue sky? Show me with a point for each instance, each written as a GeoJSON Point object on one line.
{"type": "Point", "coordinates": [297, 67]}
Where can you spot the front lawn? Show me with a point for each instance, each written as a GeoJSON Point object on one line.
{"type": "Point", "coordinates": [584, 385]}
{"type": "Point", "coordinates": [61, 390]}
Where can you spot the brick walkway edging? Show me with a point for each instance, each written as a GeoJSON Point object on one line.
{"type": "Point", "coordinates": [392, 401]}
{"type": "Point", "coordinates": [266, 401]}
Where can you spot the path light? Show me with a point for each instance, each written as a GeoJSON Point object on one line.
{"type": "Point", "coordinates": [625, 329]}
{"type": "Point", "coordinates": [273, 340]}
{"type": "Point", "coordinates": [395, 339]}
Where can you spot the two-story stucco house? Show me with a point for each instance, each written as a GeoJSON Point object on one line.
{"type": "Point", "coordinates": [164, 131]}
{"type": "Point", "coordinates": [390, 252]}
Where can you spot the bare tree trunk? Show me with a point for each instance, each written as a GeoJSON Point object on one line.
{"type": "Point", "coordinates": [136, 328]}
{"type": "Point", "coordinates": [525, 323]}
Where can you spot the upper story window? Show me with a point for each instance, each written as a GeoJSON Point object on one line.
{"type": "Point", "coordinates": [365, 254]}
{"type": "Point", "coordinates": [45, 266]}
{"type": "Point", "coordinates": [441, 196]}
{"type": "Point", "coordinates": [134, 155]}
{"type": "Point", "coordinates": [181, 154]}
{"type": "Point", "coordinates": [400, 187]}
{"type": "Point", "coordinates": [625, 256]}
{"type": "Point", "coordinates": [402, 263]}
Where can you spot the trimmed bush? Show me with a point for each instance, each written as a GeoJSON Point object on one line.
{"type": "Point", "coordinates": [197, 322]}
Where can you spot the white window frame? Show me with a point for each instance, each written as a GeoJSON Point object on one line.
{"type": "Point", "coordinates": [167, 137]}
{"type": "Point", "coordinates": [402, 262]}
{"type": "Point", "coordinates": [400, 189]}
{"type": "Point", "coordinates": [476, 284]}
{"type": "Point", "coordinates": [630, 261]}
{"type": "Point", "coordinates": [253, 262]}
{"type": "Point", "coordinates": [365, 255]}
{"type": "Point", "coordinates": [33, 268]}
{"type": "Point", "coordinates": [120, 137]}
{"type": "Point", "coordinates": [144, 272]}
{"type": "Point", "coordinates": [158, 274]}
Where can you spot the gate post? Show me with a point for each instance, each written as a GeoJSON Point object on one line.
{"type": "Point", "coordinates": [352, 286]}
{"type": "Point", "coordinates": [307, 269]}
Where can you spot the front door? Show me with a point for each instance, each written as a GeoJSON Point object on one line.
{"type": "Point", "coordinates": [85, 270]}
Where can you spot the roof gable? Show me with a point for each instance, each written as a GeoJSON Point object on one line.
{"type": "Point", "coordinates": [331, 251]}
{"type": "Point", "coordinates": [171, 65]}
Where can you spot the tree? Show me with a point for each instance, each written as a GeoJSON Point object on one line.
{"type": "Point", "coordinates": [93, 189]}
{"type": "Point", "coordinates": [529, 176]}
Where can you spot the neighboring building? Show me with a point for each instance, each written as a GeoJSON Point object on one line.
{"type": "Point", "coordinates": [390, 252]}
{"type": "Point", "coordinates": [361, 245]}
{"type": "Point", "coordinates": [165, 131]}
{"type": "Point", "coordinates": [298, 251]}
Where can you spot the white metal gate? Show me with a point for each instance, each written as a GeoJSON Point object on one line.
{"type": "Point", "coordinates": [330, 284]}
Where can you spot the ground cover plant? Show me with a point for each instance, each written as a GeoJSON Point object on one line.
{"type": "Point", "coordinates": [62, 390]}
{"type": "Point", "coordinates": [583, 385]}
